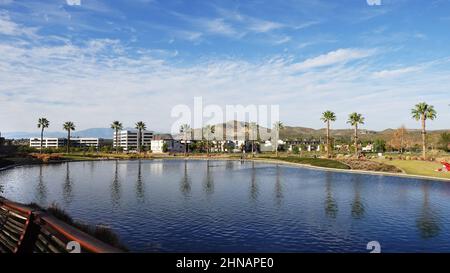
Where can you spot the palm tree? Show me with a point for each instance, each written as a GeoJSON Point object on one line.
{"type": "Point", "coordinates": [42, 123]}
{"type": "Point", "coordinates": [210, 130]}
{"type": "Point", "coordinates": [68, 126]}
{"type": "Point", "coordinates": [117, 126]}
{"type": "Point", "coordinates": [328, 116]}
{"type": "Point", "coordinates": [422, 111]}
{"type": "Point", "coordinates": [277, 126]}
{"type": "Point", "coordinates": [185, 129]}
{"type": "Point", "coordinates": [140, 126]}
{"type": "Point", "coordinates": [253, 126]}
{"type": "Point", "coordinates": [354, 119]}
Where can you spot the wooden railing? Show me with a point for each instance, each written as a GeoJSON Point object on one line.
{"type": "Point", "coordinates": [27, 230]}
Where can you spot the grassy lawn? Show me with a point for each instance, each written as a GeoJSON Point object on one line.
{"type": "Point", "coordinates": [318, 162]}
{"type": "Point", "coordinates": [417, 167]}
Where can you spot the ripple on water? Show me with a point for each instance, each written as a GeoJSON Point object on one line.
{"type": "Point", "coordinates": [231, 206]}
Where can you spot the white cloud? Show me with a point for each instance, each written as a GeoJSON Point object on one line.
{"type": "Point", "coordinates": [9, 27]}
{"type": "Point", "coordinates": [261, 26]}
{"type": "Point", "coordinates": [73, 2]}
{"type": "Point", "coordinates": [219, 26]}
{"type": "Point", "coordinates": [101, 80]}
{"type": "Point", "coordinates": [395, 72]}
{"type": "Point", "coordinates": [334, 57]}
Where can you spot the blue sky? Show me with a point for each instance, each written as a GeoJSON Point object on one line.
{"type": "Point", "coordinates": [93, 61]}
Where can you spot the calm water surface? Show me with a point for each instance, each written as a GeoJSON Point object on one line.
{"type": "Point", "coordinates": [220, 206]}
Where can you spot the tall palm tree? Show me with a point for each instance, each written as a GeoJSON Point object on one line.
{"type": "Point", "coordinates": [117, 126]}
{"type": "Point", "coordinates": [140, 126]}
{"type": "Point", "coordinates": [327, 117]}
{"type": "Point", "coordinates": [210, 130]}
{"type": "Point", "coordinates": [277, 126]}
{"type": "Point", "coordinates": [68, 126]}
{"type": "Point", "coordinates": [355, 119]}
{"type": "Point", "coordinates": [422, 111]}
{"type": "Point", "coordinates": [185, 129]}
{"type": "Point", "coordinates": [253, 136]}
{"type": "Point", "coordinates": [42, 123]}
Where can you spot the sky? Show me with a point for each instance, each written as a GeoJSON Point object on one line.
{"type": "Point", "coordinates": [92, 61]}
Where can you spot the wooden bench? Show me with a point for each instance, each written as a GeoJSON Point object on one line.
{"type": "Point", "coordinates": [24, 230]}
{"type": "Point", "coordinates": [15, 221]}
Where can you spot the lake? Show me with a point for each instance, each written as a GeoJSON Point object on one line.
{"type": "Point", "coordinates": [233, 206]}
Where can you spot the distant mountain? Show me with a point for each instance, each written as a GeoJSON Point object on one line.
{"type": "Point", "coordinates": [91, 132]}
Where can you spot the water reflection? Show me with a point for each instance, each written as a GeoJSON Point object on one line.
{"type": "Point", "coordinates": [41, 188]}
{"type": "Point", "coordinates": [254, 191]}
{"type": "Point", "coordinates": [185, 184]}
{"type": "Point", "coordinates": [208, 183]}
{"type": "Point", "coordinates": [357, 204]}
{"type": "Point", "coordinates": [116, 187]}
{"type": "Point", "coordinates": [67, 187]}
{"type": "Point", "coordinates": [278, 186]}
{"type": "Point", "coordinates": [331, 207]}
{"type": "Point", "coordinates": [427, 223]}
{"type": "Point", "coordinates": [140, 186]}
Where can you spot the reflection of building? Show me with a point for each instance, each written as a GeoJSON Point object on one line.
{"type": "Point", "coordinates": [158, 142]}
{"type": "Point", "coordinates": [54, 142]}
{"type": "Point", "coordinates": [128, 139]}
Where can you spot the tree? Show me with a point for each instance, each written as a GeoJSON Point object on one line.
{"type": "Point", "coordinates": [445, 141]}
{"type": "Point", "coordinates": [422, 111]}
{"type": "Point", "coordinates": [42, 123]}
{"type": "Point", "coordinates": [398, 140]}
{"type": "Point", "coordinates": [327, 117]}
{"type": "Point", "coordinates": [210, 130]}
{"type": "Point", "coordinates": [140, 126]}
{"type": "Point", "coordinates": [254, 135]}
{"type": "Point", "coordinates": [277, 126]}
{"type": "Point", "coordinates": [355, 119]}
{"type": "Point", "coordinates": [165, 147]}
{"type": "Point", "coordinates": [379, 146]}
{"type": "Point", "coordinates": [185, 129]}
{"type": "Point", "coordinates": [117, 126]}
{"type": "Point", "coordinates": [68, 126]}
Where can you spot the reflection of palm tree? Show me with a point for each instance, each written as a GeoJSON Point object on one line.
{"type": "Point", "coordinates": [41, 189]}
{"type": "Point", "coordinates": [116, 187]}
{"type": "Point", "coordinates": [185, 186]}
{"type": "Point", "coordinates": [278, 187]}
{"type": "Point", "coordinates": [67, 187]}
{"type": "Point", "coordinates": [254, 186]}
{"type": "Point", "coordinates": [331, 207]}
{"type": "Point", "coordinates": [427, 223]}
{"type": "Point", "coordinates": [209, 181]}
{"type": "Point", "coordinates": [357, 205]}
{"type": "Point", "coordinates": [140, 191]}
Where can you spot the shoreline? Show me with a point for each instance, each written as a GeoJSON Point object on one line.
{"type": "Point", "coordinates": [258, 160]}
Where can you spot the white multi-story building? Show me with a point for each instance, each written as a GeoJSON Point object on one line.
{"type": "Point", "coordinates": [47, 142]}
{"type": "Point", "coordinates": [173, 146]}
{"type": "Point", "coordinates": [128, 139]}
{"type": "Point", "coordinates": [54, 142]}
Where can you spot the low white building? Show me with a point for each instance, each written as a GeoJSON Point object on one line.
{"type": "Point", "coordinates": [55, 142]}
{"type": "Point", "coordinates": [128, 139]}
{"type": "Point", "coordinates": [47, 142]}
{"type": "Point", "coordinates": [367, 148]}
{"type": "Point", "coordinates": [173, 146]}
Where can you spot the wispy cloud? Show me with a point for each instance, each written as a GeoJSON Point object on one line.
{"type": "Point", "coordinates": [396, 72]}
{"type": "Point", "coordinates": [8, 27]}
{"type": "Point", "coordinates": [73, 2]}
{"type": "Point", "coordinates": [334, 57]}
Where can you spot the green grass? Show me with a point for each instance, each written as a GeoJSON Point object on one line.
{"type": "Point", "coordinates": [417, 167]}
{"type": "Point", "coordinates": [317, 162]}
